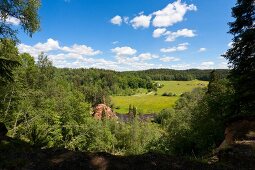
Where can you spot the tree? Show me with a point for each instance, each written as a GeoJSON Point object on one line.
{"type": "Point", "coordinates": [242, 56]}
{"type": "Point", "coordinates": [25, 13]}
{"type": "Point", "coordinates": [8, 59]}
{"type": "Point", "coordinates": [214, 78]}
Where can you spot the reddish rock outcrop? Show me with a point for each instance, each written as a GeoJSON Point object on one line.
{"type": "Point", "coordinates": [102, 110]}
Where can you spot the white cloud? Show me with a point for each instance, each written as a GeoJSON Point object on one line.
{"type": "Point", "coordinates": [81, 49]}
{"type": "Point", "coordinates": [126, 20]}
{"type": "Point", "coordinates": [171, 36]}
{"type": "Point", "coordinates": [202, 50]}
{"type": "Point", "coordinates": [207, 65]}
{"type": "Point", "coordinates": [117, 20]}
{"type": "Point", "coordinates": [181, 66]}
{"type": "Point", "coordinates": [50, 45]}
{"type": "Point", "coordinates": [10, 20]}
{"type": "Point", "coordinates": [115, 42]}
{"type": "Point", "coordinates": [158, 32]}
{"type": "Point", "coordinates": [47, 46]}
{"type": "Point", "coordinates": [169, 59]}
{"type": "Point", "coordinates": [53, 45]}
{"type": "Point", "coordinates": [141, 21]}
{"type": "Point", "coordinates": [172, 13]}
{"type": "Point", "coordinates": [23, 48]}
{"type": "Point", "coordinates": [147, 56]}
{"type": "Point", "coordinates": [179, 47]}
{"type": "Point", "coordinates": [123, 51]}
{"type": "Point", "coordinates": [230, 45]}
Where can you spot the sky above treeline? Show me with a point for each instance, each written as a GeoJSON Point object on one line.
{"type": "Point", "coordinates": [132, 34]}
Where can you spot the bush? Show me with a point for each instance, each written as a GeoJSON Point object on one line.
{"type": "Point", "coordinates": [168, 94]}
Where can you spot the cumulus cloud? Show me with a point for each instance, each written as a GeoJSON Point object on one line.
{"type": "Point", "coordinates": [158, 32]}
{"type": "Point", "coordinates": [181, 66]}
{"type": "Point", "coordinates": [127, 59]}
{"type": "Point", "coordinates": [141, 21]}
{"type": "Point", "coordinates": [223, 65]}
{"type": "Point", "coordinates": [36, 49]}
{"type": "Point", "coordinates": [124, 51]}
{"type": "Point", "coordinates": [117, 20]}
{"type": "Point", "coordinates": [179, 47]}
{"type": "Point", "coordinates": [10, 20]}
{"type": "Point", "coordinates": [171, 36]}
{"type": "Point", "coordinates": [13, 20]}
{"type": "Point", "coordinates": [147, 56]}
{"type": "Point", "coordinates": [47, 46]}
{"type": "Point", "coordinates": [53, 45]}
{"type": "Point", "coordinates": [169, 59]}
{"type": "Point", "coordinates": [207, 65]}
{"type": "Point", "coordinates": [81, 49]}
{"type": "Point", "coordinates": [172, 13]}
{"type": "Point", "coordinates": [168, 16]}
{"type": "Point", "coordinates": [202, 50]}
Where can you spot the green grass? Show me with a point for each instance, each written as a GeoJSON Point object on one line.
{"type": "Point", "coordinates": [151, 103]}
{"type": "Point", "coordinates": [178, 87]}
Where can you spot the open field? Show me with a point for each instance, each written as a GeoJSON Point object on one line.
{"type": "Point", "coordinates": [151, 103]}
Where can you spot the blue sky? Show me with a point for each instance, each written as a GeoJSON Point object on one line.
{"type": "Point", "coordinates": [132, 34]}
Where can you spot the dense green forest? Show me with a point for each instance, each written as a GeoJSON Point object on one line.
{"type": "Point", "coordinates": [185, 75]}
{"type": "Point", "coordinates": [51, 107]}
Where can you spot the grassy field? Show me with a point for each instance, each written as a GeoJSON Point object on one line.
{"type": "Point", "coordinates": [151, 103]}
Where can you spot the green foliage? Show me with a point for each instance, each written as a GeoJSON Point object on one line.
{"type": "Point", "coordinates": [46, 109]}
{"type": "Point", "coordinates": [196, 125]}
{"type": "Point", "coordinates": [9, 59]}
{"type": "Point", "coordinates": [177, 75]}
{"type": "Point", "coordinates": [242, 57]}
{"type": "Point", "coordinates": [23, 10]}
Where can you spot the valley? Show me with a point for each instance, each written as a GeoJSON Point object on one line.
{"type": "Point", "coordinates": [154, 101]}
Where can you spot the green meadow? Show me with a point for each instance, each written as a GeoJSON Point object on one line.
{"type": "Point", "coordinates": [154, 102]}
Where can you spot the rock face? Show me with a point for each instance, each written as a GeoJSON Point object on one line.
{"type": "Point", "coordinates": [102, 110]}
{"type": "Point", "coordinates": [238, 148]}
{"type": "Point", "coordinates": [3, 130]}
{"type": "Point", "coordinates": [239, 129]}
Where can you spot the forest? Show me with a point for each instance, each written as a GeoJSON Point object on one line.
{"type": "Point", "coordinates": [49, 107]}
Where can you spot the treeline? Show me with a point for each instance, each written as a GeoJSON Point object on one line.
{"type": "Point", "coordinates": [98, 84]}
{"type": "Point", "coordinates": [179, 75]}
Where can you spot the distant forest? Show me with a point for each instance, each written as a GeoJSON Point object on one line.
{"type": "Point", "coordinates": [179, 75]}
{"type": "Point", "coordinates": [95, 83]}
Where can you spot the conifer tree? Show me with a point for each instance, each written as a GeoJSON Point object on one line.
{"type": "Point", "coordinates": [241, 56]}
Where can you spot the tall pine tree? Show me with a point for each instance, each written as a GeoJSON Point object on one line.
{"type": "Point", "coordinates": [241, 56]}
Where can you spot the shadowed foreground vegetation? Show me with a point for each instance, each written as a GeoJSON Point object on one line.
{"type": "Point", "coordinates": [23, 156]}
